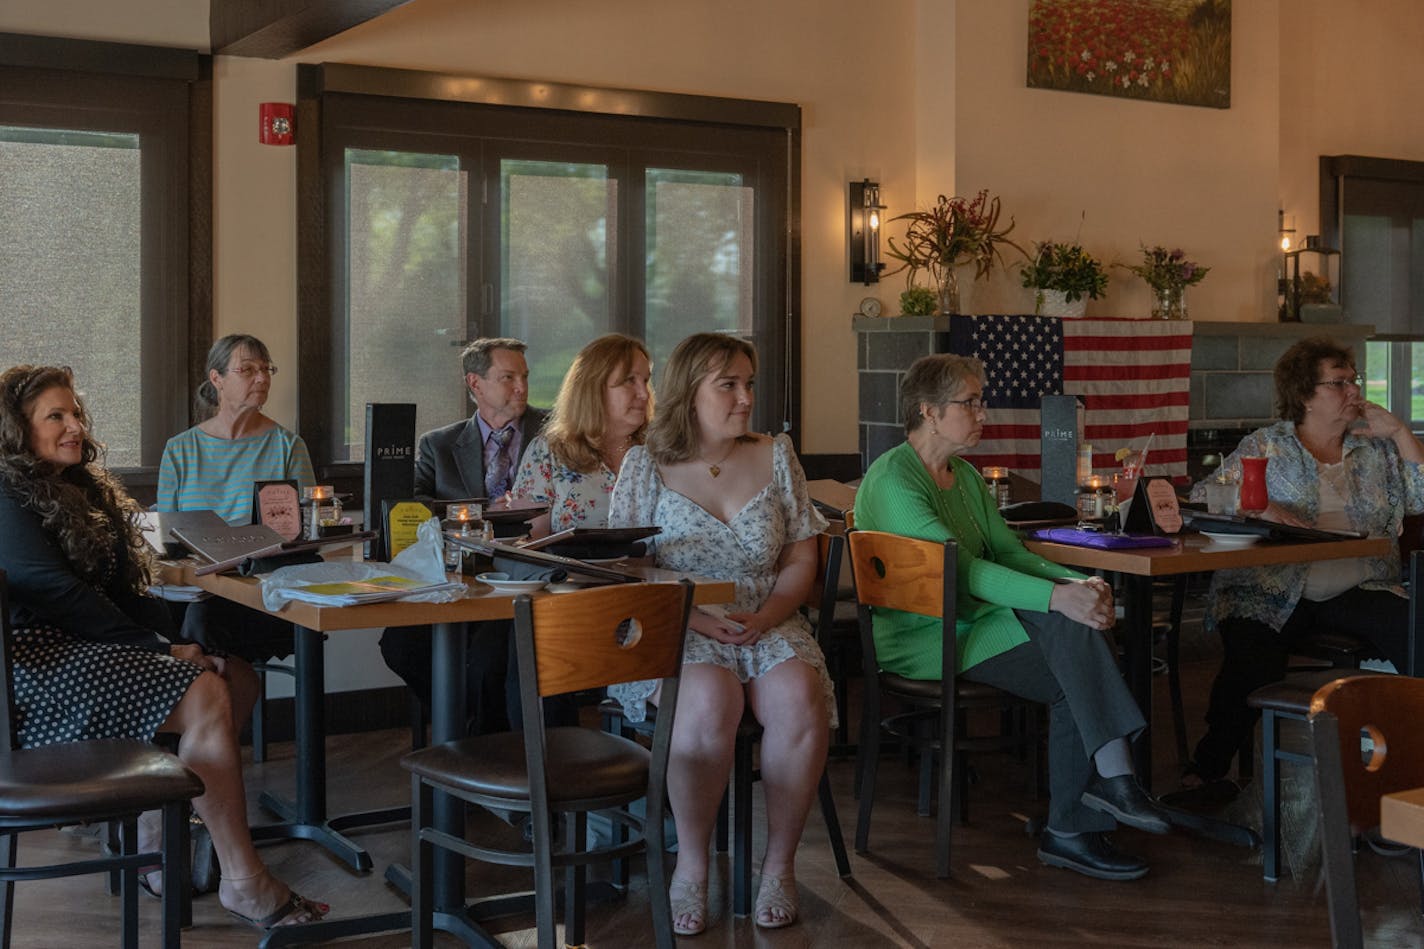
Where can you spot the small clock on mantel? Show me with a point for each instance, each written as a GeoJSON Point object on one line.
{"type": "Point", "coordinates": [870, 306]}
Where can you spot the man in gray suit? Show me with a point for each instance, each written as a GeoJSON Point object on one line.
{"type": "Point", "coordinates": [474, 458]}
{"type": "Point", "coordinates": [478, 457]}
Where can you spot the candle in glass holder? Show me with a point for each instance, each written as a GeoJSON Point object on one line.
{"type": "Point", "coordinates": [997, 477]}
{"type": "Point", "coordinates": [1094, 495]}
{"type": "Point", "coordinates": [462, 519]}
{"type": "Point", "coordinates": [323, 508]}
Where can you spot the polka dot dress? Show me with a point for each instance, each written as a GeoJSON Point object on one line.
{"type": "Point", "coordinates": [69, 689]}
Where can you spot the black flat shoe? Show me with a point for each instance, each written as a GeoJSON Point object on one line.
{"type": "Point", "coordinates": [1090, 854]}
{"type": "Point", "coordinates": [1124, 799]}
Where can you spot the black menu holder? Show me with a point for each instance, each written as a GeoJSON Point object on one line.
{"type": "Point", "coordinates": [1154, 509]}
{"type": "Point", "coordinates": [1058, 449]}
{"type": "Point", "coordinates": [390, 463]}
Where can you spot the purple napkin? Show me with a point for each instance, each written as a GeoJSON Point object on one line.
{"type": "Point", "coordinates": [1082, 538]}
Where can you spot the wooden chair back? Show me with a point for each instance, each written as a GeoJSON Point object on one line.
{"type": "Point", "coordinates": [1379, 745]}
{"type": "Point", "coordinates": [902, 573]}
{"type": "Point", "coordinates": [603, 636]}
{"type": "Point", "coordinates": [1365, 737]}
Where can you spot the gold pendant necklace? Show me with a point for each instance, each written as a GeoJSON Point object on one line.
{"type": "Point", "coordinates": [716, 469]}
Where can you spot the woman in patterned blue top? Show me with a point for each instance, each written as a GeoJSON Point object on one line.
{"type": "Point", "coordinates": [1336, 461]}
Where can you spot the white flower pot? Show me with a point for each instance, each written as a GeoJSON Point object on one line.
{"type": "Point", "coordinates": [1052, 303]}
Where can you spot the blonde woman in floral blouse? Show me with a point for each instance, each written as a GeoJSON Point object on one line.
{"type": "Point", "coordinates": [1336, 461]}
{"type": "Point", "coordinates": [602, 410]}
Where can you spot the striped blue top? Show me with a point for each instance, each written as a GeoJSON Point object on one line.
{"type": "Point", "coordinates": [202, 472]}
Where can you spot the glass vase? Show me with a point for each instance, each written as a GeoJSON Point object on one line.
{"type": "Point", "coordinates": [949, 294]}
{"type": "Point", "coordinates": [1169, 303]}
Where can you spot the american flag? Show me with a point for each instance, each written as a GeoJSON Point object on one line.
{"type": "Point", "coordinates": [1131, 375]}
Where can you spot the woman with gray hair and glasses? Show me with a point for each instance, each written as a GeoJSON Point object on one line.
{"type": "Point", "coordinates": [1024, 624]}
{"type": "Point", "coordinates": [213, 466]}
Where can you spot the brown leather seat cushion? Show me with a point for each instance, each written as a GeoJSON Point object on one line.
{"type": "Point", "coordinates": [583, 764]}
{"type": "Point", "coordinates": [1293, 693]}
{"type": "Point", "coordinates": [110, 776]}
{"type": "Point", "coordinates": [967, 692]}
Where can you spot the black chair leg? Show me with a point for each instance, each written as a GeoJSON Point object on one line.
{"type": "Point", "coordinates": [833, 824]}
{"type": "Point", "coordinates": [1270, 796]}
{"type": "Point", "coordinates": [128, 887]}
{"type": "Point", "coordinates": [177, 875]}
{"type": "Point", "coordinates": [1174, 679]}
{"type": "Point", "coordinates": [742, 828]}
{"type": "Point", "coordinates": [9, 844]}
{"type": "Point", "coordinates": [867, 761]}
{"type": "Point", "coordinates": [111, 841]}
{"type": "Point", "coordinates": [575, 879]}
{"type": "Point", "coordinates": [259, 716]}
{"type": "Point", "coordinates": [422, 864]}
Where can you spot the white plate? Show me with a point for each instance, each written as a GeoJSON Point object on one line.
{"type": "Point", "coordinates": [502, 583]}
{"type": "Point", "coordinates": [1230, 540]}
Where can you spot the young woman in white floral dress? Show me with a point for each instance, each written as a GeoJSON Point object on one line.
{"type": "Point", "coordinates": [732, 505]}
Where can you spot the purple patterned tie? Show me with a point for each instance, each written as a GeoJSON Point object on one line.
{"type": "Point", "coordinates": [499, 465]}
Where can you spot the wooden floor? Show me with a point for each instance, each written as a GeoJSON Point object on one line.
{"type": "Point", "coordinates": [1199, 893]}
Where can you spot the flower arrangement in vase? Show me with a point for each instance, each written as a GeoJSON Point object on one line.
{"type": "Point", "coordinates": [954, 233]}
{"type": "Point", "coordinates": [1063, 277]}
{"type": "Point", "coordinates": [1168, 273]}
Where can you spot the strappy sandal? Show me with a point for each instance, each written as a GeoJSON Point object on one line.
{"type": "Point", "coordinates": [296, 905]}
{"type": "Point", "coordinates": [776, 903]}
{"type": "Point", "coordinates": [688, 899]}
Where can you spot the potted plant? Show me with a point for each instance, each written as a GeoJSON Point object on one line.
{"type": "Point", "coordinates": [1168, 273]}
{"type": "Point", "coordinates": [953, 233]}
{"type": "Point", "coordinates": [1063, 277]}
{"type": "Point", "coordinates": [918, 301]}
{"type": "Point", "coordinates": [1313, 299]}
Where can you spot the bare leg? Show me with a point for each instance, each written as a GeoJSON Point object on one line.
{"type": "Point", "coordinates": [242, 686]}
{"type": "Point", "coordinates": [709, 707]}
{"type": "Point", "coordinates": [204, 719]}
{"type": "Point", "coordinates": [790, 704]}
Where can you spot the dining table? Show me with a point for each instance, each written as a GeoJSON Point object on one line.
{"type": "Point", "coordinates": [1190, 552]}
{"type": "Point", "coordinates": [306, 817]}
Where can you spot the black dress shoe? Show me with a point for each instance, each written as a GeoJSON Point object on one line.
{"type": "Point", "coordinates": [1123, 798]}
{"type": "Point", "coordinates": [1090, 854]}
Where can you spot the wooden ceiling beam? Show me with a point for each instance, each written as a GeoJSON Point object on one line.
{"type": "Point", "coordinates": [271, 29]}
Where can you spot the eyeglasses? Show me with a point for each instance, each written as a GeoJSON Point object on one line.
{"type": "Point", "coordinates": [1356, 380]}
{"type": "Point", "coordinates": [247, 372]}
{"type": "Point", "coordinates": [976, 404]}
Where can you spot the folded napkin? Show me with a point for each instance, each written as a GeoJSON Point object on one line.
{"type": "Point", "coordinates": [1082, 538]}
{"type": "Point", "coordinates": [519, 570]}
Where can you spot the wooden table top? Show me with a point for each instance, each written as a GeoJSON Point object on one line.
{"type": "Point", "coordinates": [1192, 553]}
{"type": "Point", "coordinates": [1402, 817]}
{"type": "Point", "coordinates": [482, 602]}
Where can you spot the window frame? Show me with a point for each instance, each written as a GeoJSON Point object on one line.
{"type": "Point", "coordinates": [389, 100]}
{"type": "Point", "coordinates": [165, 95]}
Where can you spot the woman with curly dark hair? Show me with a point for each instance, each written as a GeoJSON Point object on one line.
{"type": "Point", "coordinates": [91, 658]}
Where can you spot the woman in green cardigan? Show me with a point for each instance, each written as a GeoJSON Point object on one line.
{"type": "Point", "coordinates": [1024, 624]}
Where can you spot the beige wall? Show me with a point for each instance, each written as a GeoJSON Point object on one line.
{"type": "Point", "coordinates": [1352, 78]}
{"type": "Point", "coordinates": [925, 95]}
{"type": "Point", "coordinates": [1144, 172]}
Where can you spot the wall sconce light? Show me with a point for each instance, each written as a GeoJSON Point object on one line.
{"type": "Point", "coordinates": [278, 123]}
{"type": "Point", "coordinates": [863, 209]}
{"type": "Point", "coordinates": [1285, 223]}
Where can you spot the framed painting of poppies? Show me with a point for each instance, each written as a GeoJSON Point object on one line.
{"type": "Point", "coordinates": [1164, 50]}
